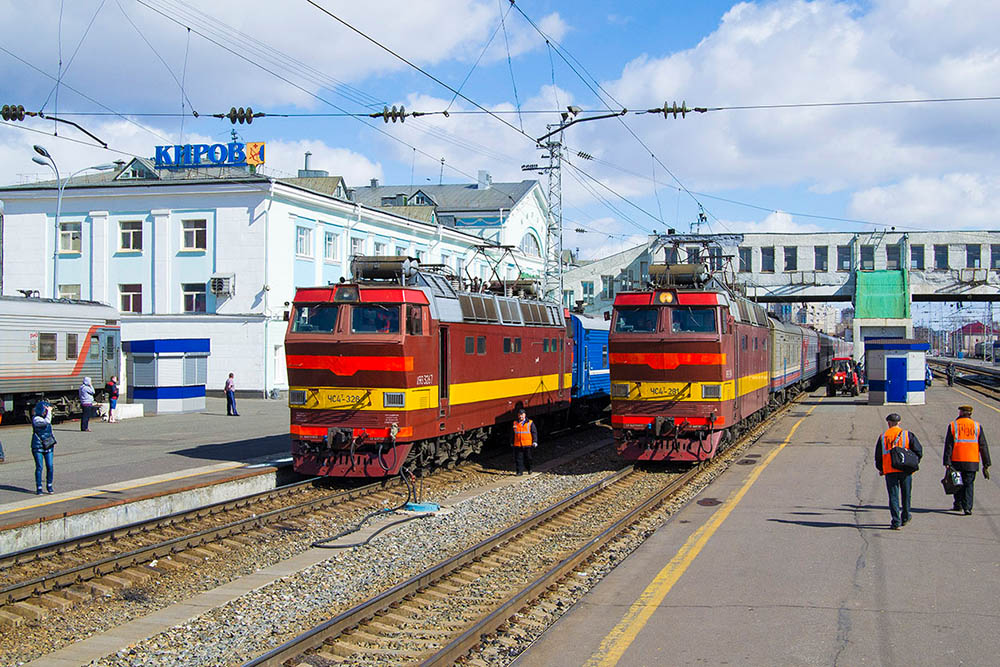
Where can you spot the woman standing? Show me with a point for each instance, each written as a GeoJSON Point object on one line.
{"type": "Point", "coordinates": [42, 443]}
{"type": "Point", "coordinates": [111, 389]}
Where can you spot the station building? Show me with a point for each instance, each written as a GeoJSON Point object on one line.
{"type": "Point", "coordinates": [216, 251]}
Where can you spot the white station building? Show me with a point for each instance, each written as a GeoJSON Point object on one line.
{"type": "Point", "coordinates": [216, 251]}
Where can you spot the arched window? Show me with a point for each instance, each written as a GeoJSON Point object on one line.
{"type": "Point", "coordinates": [529, 246]}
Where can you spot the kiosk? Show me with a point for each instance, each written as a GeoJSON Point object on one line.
{"type": "Point", "coordinates": [168, 375]}
{"type": "Point", "coordinates": [895, 368]}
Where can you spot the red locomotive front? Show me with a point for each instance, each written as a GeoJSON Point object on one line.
{"type": "Point", "coordinates": [688, 366]}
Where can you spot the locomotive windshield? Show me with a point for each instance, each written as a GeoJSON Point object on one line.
{"type": "Point", "coordinates": [637, 320]}
{"type": "Point", "coordinates": [692, 320]}
{"type": "Point", "coordinates": [315, 318]}
{"type": "Point", "coordinates": [375, 318]}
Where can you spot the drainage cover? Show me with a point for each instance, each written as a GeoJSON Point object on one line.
{"type": "Point", "coordinates": [746, 462]}
{"type": "Point", "coordinates": [709, 502]}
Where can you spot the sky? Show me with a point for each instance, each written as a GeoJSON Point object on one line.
{"type": "Point", "coordinates": [133, 72]}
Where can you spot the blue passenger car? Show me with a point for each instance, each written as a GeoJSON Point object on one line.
{"type": "Point", "coordinates": [591, 371]}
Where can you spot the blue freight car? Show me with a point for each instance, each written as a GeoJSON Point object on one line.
{"type": "Point", "coordinates": [591, 373]}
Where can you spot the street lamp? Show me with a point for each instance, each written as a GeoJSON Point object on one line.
{"type": "Point", "coordinates": [45, 159]}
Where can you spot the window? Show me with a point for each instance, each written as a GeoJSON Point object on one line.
{"type": "Point", "coordinates": [545, 345]}
{"type": "Point", "coordinates": [822, 254]}
{"type": "Point", "coordinates": [46, 347]}
{"type": "Point", "coordinates": [746, 260]}
{"type": "Point", "coordinates": [481, 345]}
{"type": "Point", "coordinates": [414, 320]}
{"type": "Point", "coordinates": [506, 345]}
{"type": "Point", "coordinates": [470, 344]}
{"type": "Point", "coordinates": [195, 234]}
{"type": "Point", "coordinates": [892, 257]}
{"type": "Point", "coordinates": [636, 320]}
{"type": "Point", "coordinates": [400, 251]}
{"type": "Point", "coordinates": [917, 257]}
{"type": "Point", "coordinates": [973, 256]}
{"type": "Point", "coordinates": [995, 256]}
{"type": "Point", "coordinates": [791, 258]}
{"type": "Point", "coordinates": [715, 259]}
{"type": "Point", "coordinates": [607, 287]}
{"type": "Point", "coordinates": [643, 273]}
{"type": "Point", "coordinates": [131, 298]}
{"type": "Point", "coordinates": [69, 237]}
{"type": "Point", "coordinates": [418, 255]}
{"type": "Point", "coordinates": [867, 258]}
{"type": "Point", "coordinates": [315, 318]}
{"type": "Point", "coordinates": [843, 258]}
{"type": "Point", "coordinates": [331, 242]}
{"type": "Point", "coordinates": [672, 255]}
{"type": "Point", "coordinates": [357, 247]}
{"type": "Point", "coordinates": [72, 346]}
{"type": "Point", "coordinates": [380, 249]}
{"type": "Point", "coordinates": [517, 345]}
{"type": "Point", "coordinates": [376, 318]}
{"type": "Point", "coordinates": [95, 347]}
{"type": "Point", "coordinates": [131, 233]}
{"type": "Point", "coordinates": [529, 246]}
{"type": "Point", "coordinates": [692, 320]}
{"type": "Point", "coordinates": [588, 291]}
{"type": "Point", "coordinates": [767, 259]}
{"type": "Point", "coordinates": [568, 298]}
{"type": "Point", "coordinates": [194, 297]}
{"type": "Point", "coordinates": [303, 242]}
{"type": "Point", "coordinates": [692, 255]}
{"type": "Point", "coordinates": [941, 257]}
{"type": "Point", "coordinates": [69, 292]}
{"type": "Point", "coordinates": [604, 356]}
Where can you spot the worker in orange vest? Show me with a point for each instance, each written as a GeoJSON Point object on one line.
{"type": "Point", "coordinates": [524, 439]}
{"type": "Point", "coordinates": [964, 447]}
{"type": "Point", "coordinates": [897, 482]}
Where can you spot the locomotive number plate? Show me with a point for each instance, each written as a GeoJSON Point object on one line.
{"type": "Point", "coordinates": [425, 379]}
{"type": "Point", "coordinates": [668, 391]}
{"type": "Point", "coordinates": [340, 397]}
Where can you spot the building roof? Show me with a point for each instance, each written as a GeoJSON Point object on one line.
{"type": "Point", "coordinates": [325, 184]}
{"type": "Point", "coordinates": [976, 329]}
{"type": "Point", "coordinates": [452, 197]}
{"type": "Point", "coordinates": [148, 174]}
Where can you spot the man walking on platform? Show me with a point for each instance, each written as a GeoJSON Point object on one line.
{"type": "Point", "coordinates": [525, 437]}
{"type": "Point", "coordinates": [231, 397]}
{"type": "Point", "coordinates": [897, 482]}
{"type": "Point", "coordinates": [964, 447]}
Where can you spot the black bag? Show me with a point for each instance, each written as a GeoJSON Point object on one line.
{"type": "Point", "coordinates": [48, 441]}
{"type": "Point", "coordinates": [952, 482]}
{"type": "Point", "coordinates": [904, 460]}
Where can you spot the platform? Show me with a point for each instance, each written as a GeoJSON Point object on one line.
{"type": "Point", "coordinates": [143, 467]}
{"type": "Point", "coordinates": [791, 561]}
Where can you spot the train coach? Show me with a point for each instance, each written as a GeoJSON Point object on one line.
{"type": "Point", "coordinates": [693, 366]}
{"type": "Point", "coordinates": [399, 366]}
{"type": "Point", "coordinates": [47, 347]}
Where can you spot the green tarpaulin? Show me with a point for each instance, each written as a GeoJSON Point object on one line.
{"type": "Point", "coordinates": [882, 294]}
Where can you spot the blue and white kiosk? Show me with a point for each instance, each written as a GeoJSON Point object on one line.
{"type": "Point", "coordinates": [168, 375]}
{"type": "Point", "coordinates": [895, 368]}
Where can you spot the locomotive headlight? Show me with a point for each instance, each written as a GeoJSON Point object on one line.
{"type": "Point", "coordinates": [297, 397]}
{"type": "Point", "coordinates": [711, 391]}
{"type": "Point", "coordinates": [665, 297]}
{"type": "Point", "coordinates": [619, 390]}
{"type": "Point", "coordinates": [393, 399]}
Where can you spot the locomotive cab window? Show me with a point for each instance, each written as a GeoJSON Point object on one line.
{"type": "Point", "coordinates": [470, 344]}
{"type": "Point", "coordinates": [414, 320]}
{"type": "Point", "coordinates": [637, 320]}
{"type": "Point", "coordinates": [315, 318]}
{"type": "Point", "coordinates": [376, 318]}
{"type": "Point", "coordinates": [692, 320]}
{"type": "Point", "coordinates": [481, 345]}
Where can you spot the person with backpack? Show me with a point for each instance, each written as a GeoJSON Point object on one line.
{"type": "Point", "coordinates": [42, 444]}
{"type": "Point", "coordinates": [898, 483]}
{"type": "Point", "coordinates": [111, 389]}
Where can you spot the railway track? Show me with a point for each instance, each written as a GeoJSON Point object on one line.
{"type": "Point", "coordinates": [968, 379]}
{"type": "Point", "coordinates": [441, 614]}
{"type": "Point", "coordinates": [62, 574]}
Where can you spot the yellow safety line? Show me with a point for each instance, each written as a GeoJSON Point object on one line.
{"type": "Point", "coordinates": [621, 637]}
{"type": "Point", "coordinates": [124, 488]}
{"type": "Point", "coordinates": [991, 407]}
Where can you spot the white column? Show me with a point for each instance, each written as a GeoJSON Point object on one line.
{"type": "Point", "coordinates": [99, 256]}
{"type": "Point", "coordinates": [162, 252]}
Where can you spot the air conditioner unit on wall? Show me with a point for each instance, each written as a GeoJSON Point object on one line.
{"type": "Point", "coordinates": [222, 284]}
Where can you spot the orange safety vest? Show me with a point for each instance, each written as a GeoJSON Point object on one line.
{"type": "Point", "coordinates": [965, 433]}
{"type": "Point", "coordinates": [522, 434]}
{"type": "Point", "coordinates": [893, 437]}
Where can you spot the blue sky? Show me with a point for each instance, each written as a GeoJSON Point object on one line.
{"type": "Point", "coordinates": [920, 166]}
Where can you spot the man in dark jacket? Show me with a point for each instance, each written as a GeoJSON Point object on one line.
{"type": "Point", "coordinates": [897, 482]}
{"type": "Point", "coordinates": [964, 447]}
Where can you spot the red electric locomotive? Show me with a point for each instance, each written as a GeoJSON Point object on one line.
{"type": "Point", "coordinates": [400, 366]}
{"type": "Point", "coordinates": [689, 366]}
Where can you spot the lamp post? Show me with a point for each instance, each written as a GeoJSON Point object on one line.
{"type": "Point", "coordinates": [45, 159]}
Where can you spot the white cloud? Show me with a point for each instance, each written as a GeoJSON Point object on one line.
{"type": "Point", "coordinates": [778, 222]}
{"type": "Point", "coordinates": [949, 201]}
{"type": "Point", "coordinates": [285, 158]}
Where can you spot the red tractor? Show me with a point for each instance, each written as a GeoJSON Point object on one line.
{"type": "Point", "coordinates": [844, 377]}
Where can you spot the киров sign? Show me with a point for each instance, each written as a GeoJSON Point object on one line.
{"type": "Point", "coordinates": [233, 154]}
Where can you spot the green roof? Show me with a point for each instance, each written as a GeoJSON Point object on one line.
{"type": "Point", "coordinates": [881, 295]}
